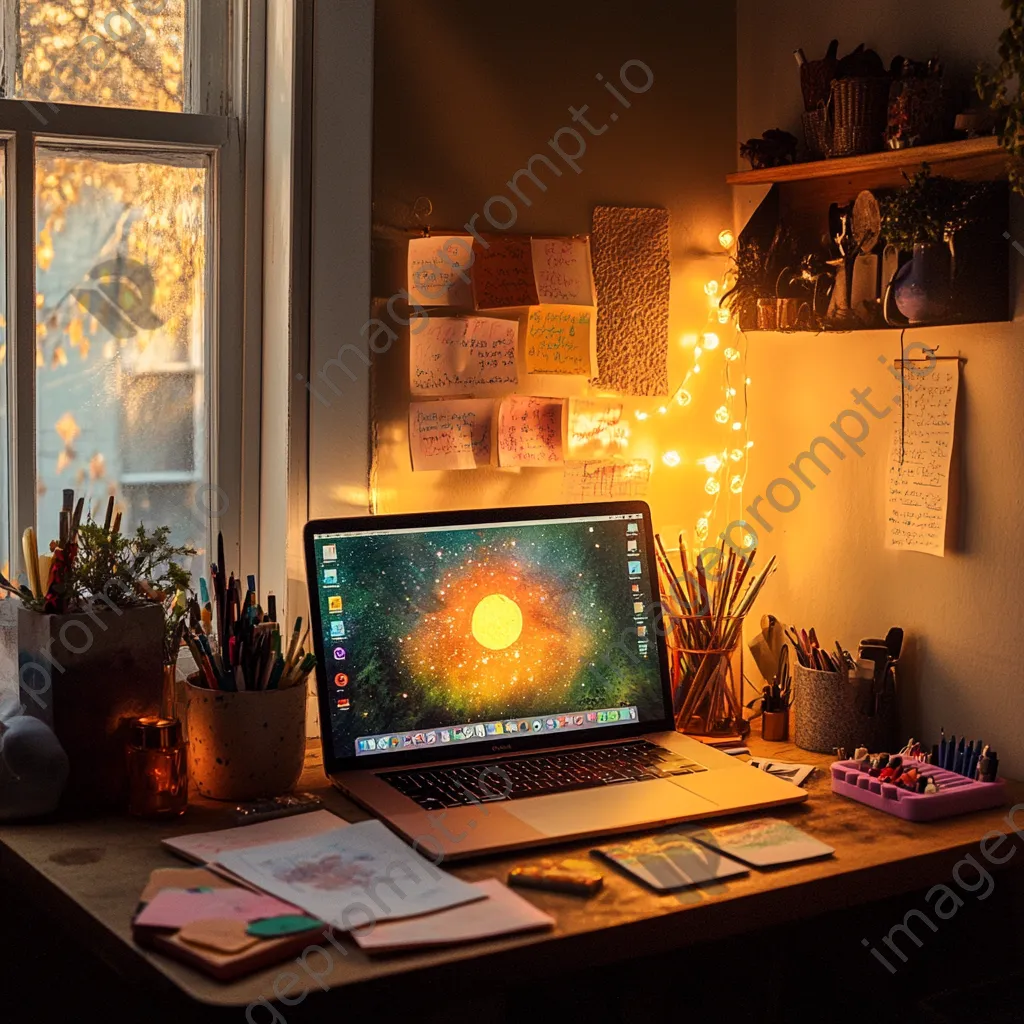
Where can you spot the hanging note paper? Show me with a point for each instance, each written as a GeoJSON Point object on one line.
{"type": "Point", "coordinates": [559, 340]}
{"type": "Point", "coordinates": [595, 429]}
{"type": "Point", "coordinates": [450, 435]}
{"type": "Point", "coordinates": [454, 355]}
{"type": "Point", "coordinates": [503, 273]}
{"type": "Point", "coordinates": [917, 496]}
{"type": "Point", "coordinates": [602, 480]}
{"type": "Point", "coordinates": [439, 271]}
{"type": "Point", "coordinates": [563, 272]}
{"type": "Point", "coordinates": [530, 431]}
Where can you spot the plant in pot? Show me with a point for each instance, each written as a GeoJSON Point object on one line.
{"type": "Point", "coordinates": [752, 295]}
{"type": "Point", "coordinates": [91, 632]}
{"type": "Point", "coordinates": [1002, 88]}
{"type": "Point", "coordinates": [921, 221]}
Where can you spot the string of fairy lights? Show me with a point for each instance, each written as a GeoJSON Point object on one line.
{"type": "Point", "coordinates": [727, 466]}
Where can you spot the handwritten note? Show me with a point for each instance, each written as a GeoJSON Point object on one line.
{"type": "Point", "coordinates": [595, 429]}
{"type": "Point", "coordinates": [503, 273]}
{"type": "Point", "coordinates": [530, 431]}
{"type": "Point", "coordinates": [453, 355]}
{"type": "Point", "coordinates": [439, 273]}
{"type": "Point", "coordinates": [559, 340]}
{"type": "Point", "coordinates": [605, 479]}
{"type": "Point", "coordinates": [450, 435]}
{"type": "Point", "coordinates": [919, 459]}
{"type": "Point", "coordinates": [562, 269]}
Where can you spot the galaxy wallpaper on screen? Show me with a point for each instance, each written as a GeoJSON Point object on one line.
{"type": "Point", "coordinates": [462, 626]}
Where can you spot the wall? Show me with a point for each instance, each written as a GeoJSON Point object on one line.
{"type": "Point", "coordinates": [465, 93]}
{"type": "Point", "coordinates": [961, 612]}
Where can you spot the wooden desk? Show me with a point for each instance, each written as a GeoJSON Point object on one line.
{"type": "Point", "coordinates": [90, 874]}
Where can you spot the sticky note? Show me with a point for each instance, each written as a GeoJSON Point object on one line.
{"type": "Point", "coordinates": [279, 927]}
{"type": "Point", "coordinates": [563, 271]}
{"type": "Point", "coordinates": [220, 935]}
{"type": "Point", "coordinates": [595, 429]}
{"type": "Point", "coordinates": [559, 339]}
{"type": "Point", "coordinates": [503, 272]}
{"type": "Point", "coordinates": [457, 355]}
{"type": "Point", "coordinates": [450, 435]}
{"type": "Point", "coordinates": [530, 431]}
{"type": "Point", "coordinates": [175, 908]}
{"type": "Point", "coordinates": [439, 271]}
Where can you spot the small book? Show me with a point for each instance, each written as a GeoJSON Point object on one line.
{"type": "Point", "coordinates": [762, 843]}
{"type": "Point", "coordinates": [669, 861]}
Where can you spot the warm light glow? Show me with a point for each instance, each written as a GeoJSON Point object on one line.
{"type": "Point", "coordinates": [726, 239]}
{"type": "Point", "coordinates": [722, 415]}
{"type": "Point", "coordinates": [712, 486]}
{"type": "Point", "coordinates": [736, 455]}
{"type": "Point", "coordinates": [711, 289]}
{"type": "Point", "coordinates": [730, 392]}
{"type": "Point", "coordinates": [497, 622]}
{"type": "Point", "coordinates": [696, 369]}
{"type": "Point", "coordinates": [750, 444]}
{"type": "Point", "coordinates": [737, 425]}
{"type": "Point", "coordinates": [684, 397]}
{"type": "Point", "coordinates": [640, 415]}
{"type": "Point", "coordinates": [748, 382]}
{"type": "Point", "coordinates": [712, 463]}
{"type": "Point", "coordinates": [711, 342]}
{"type": "Point", "coordinates": [671, 459]}
{"type": "Point", "coordinates": [736, 485]}
{"type": "Point", "coordinates": [662, 409]}
{"type": "Point", "coordinates": [731, 355]}
{"type": "Point", "coordinates": [698, 352]}
{"type": "Point", "coordinates": [724, 316]}
{"type": "Point", "coordinates": [703, 528]}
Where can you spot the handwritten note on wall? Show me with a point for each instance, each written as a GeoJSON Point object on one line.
{"type": "Point", "coordinates": [439, 271]}
{"type": "Point", "coordinates": [450, 435]}
{"type": "Point", "coordinates": [562, 269]}
{"type": "Point", "coordinates": [595, 429]}
{"type": "Point", "coordinates": [606, 479]}
{"type": "Point", "coordinates": [559, 340]}
{"type": "Point", "coordinates": [503, 273]}
{"type": "Point", "coordinates": [917, 496]}
{"type": "Point", "coordinates": [453, 355]}
{"type": "Point", "coordinates": [530, 431]}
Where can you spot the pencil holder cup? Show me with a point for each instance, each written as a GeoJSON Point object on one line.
{"type": "Point", "coordinates": [828, 712]}
{"type": "Point", "coordinates": [775, 726]}
{"type": "Point", "coordinates": [246, 745]}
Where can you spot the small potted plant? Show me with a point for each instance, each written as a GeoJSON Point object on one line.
{"type": "Point", "coordinates": [753, 296]}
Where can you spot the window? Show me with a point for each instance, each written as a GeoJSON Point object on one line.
{"type": "Point", "coordinates": [120, 128]}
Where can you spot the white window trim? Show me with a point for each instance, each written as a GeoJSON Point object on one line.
{"type": "Point", "coordinates": [233, 266]}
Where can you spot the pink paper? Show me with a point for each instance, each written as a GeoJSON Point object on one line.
{"type": "Point", "coordinates": [175, 908]}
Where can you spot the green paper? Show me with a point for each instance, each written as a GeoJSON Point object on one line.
{"type": "Point", "coordinates": [279, 927]}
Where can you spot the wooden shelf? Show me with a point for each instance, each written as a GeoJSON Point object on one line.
{"type": "Point", "coordinates": [976, 159]}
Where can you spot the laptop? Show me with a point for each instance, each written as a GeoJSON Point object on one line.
{"type": "Point", "coordinates": [494, 680]}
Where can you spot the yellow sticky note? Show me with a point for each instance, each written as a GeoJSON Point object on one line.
{"type": "Point", "coordinates": [558, 340]}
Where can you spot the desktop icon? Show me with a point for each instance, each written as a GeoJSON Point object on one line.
{"type": "Point", "coordinates": [341, 680]}
{"type": "Point", "coordinates": [602, 716]}
{"type": "Point", "coordinates": [635, 569]}
{"type": "Point", "coordinates": [641, 631]}
{"type": "Point", "coordinates": [613, 716]}
{"type": "Point", "coordinates": [331, 577]}
{"type": "Point", "coordinates": [491, 729]}
{"type": "Point", "coordinates": [431, 737]}
{"type": "Point", "coordinates": [498, 728]}
{"type": "Point", "coordinates": [632, 547]}
{"type": "Point", "coordinates": [330, 552]}
{"type": "Point", "coordinates": [338, 630]}
{"type": "Point", "coordinates": [458, 733]}
{"type": "Point", "coordinates": [632, 712]}
{"type": "Point", "coordinates": [537, 725]}
{"type": "Point", "coordinates": [632, 528]}
{"type": "Point", "coordinates": [406, 741]}
{"type": "Point", "coordinates": [480, 731]}
{"type": "Point", "coordinates": [591, 716]}
{"type": "Point", "coordinates": [638, 607]}
{"type": "Point", "coordinates": [395, 742]}
{"type": "Point", "coordinates": [577, 720]}
{"type": "Point", "coordinates": [339, 653]}
{"type": "Point", "coordinates": [344, 705]}
{"type": "Point", "coordinates": [382, 743]}
{"type": "Point", "coordinates": [334, 604]}
{"type": "Point", "coordinates": [550, 723]}
{"type": "Point", "coordinates": [636, 588]}
{"type": "Point", "coordinates": [446, 736]}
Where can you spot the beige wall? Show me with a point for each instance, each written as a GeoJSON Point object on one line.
{"type": "Point", "coordinates": [962, 613]}
{"type": "Point", "coordinates": [465, 93]}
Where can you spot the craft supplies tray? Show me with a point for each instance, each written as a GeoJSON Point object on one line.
{"type": "Point", "coordinates": [956, 795]}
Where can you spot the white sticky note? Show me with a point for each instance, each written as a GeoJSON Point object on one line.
{"type": "Point", "coordinates": [450, 435]}
{"type": "Point", "coordinates": [457, 355]}
{"type": "Point", "coordinates": [439, 271]}
{"type": "Point", "coordinates": [563, 271]}
{"type": "Point", "coordinates": [530, 431]}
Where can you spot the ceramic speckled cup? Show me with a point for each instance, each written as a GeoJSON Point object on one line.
{"type": "Point", "coordinates": [242, 746]}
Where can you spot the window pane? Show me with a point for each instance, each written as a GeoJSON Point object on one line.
{"type": "Point", "coordinates": [121, 337]}
{"type": "Point", "coordinates": [5, 555]}
{"type": "Point", "coordinates": [111, 53]}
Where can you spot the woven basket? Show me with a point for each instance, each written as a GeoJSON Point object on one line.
{"type": "Point", "coordinates": [816, 133]}
{"type": "Point", "coordinates": [826, 715]}
{"type": "Point", "coordinates": [860, 108]}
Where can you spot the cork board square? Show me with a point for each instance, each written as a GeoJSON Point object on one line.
{"type": "Point", "coordinates": [633, 276]}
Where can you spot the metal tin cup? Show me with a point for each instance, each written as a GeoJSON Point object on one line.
{"type": "Point", "coordinates": [246, 745]}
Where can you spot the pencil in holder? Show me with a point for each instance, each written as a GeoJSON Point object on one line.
{"type": "Point", "coordinates": [827, 714]}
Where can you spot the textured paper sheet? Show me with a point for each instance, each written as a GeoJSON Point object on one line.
{"type": "Point", "coordinates": [450, 435]}
{"type": "Point", "coordinates": [439, 273]}
{"type": "Point", "coordinates": [530, 431]}
{"type": "Point", "coordinates": [559, 339]}
{"type": "Point", "coordinates": [917, 492]}
{"type": "Point", "coordinates": [563, 271]}
{"type": "Point", "coordinates": [458, 355]}
{"type": "Point", "coordinates": [632, 272]}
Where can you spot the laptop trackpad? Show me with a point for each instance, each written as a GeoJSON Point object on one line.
{"type": "Point", "coordinates": [644, 803]}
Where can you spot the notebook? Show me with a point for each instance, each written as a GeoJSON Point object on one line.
{"type": "Point", "coordinates": [669, 861]}
{"type": "Point", "coordinates": [762, 843]}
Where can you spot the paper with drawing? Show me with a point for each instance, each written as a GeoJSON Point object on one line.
{"type": "Point", "coordinates": [351, 877]}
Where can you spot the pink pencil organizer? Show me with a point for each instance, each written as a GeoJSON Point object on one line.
{"type": "Point", "coordinates": [956, 795]}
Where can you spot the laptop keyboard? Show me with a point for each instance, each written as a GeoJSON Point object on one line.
{"type": "Point", "coordinates": [516, 778]}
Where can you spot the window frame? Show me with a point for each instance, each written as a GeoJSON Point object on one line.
{"type": "Point", "coordinates": [229, 132]}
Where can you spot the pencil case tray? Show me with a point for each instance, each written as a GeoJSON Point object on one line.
{"type": "Point", "coordinates": [956, 795]}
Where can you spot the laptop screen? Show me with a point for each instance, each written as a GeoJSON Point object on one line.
{"type": "Point", "coordinates": [461, 637]}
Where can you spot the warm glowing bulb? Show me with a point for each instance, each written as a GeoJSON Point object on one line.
{"type": "Point", "coordinates": [748, 382]}
{"type": "Point", "coordinates": [689, 340]}
{"type": "Point", "coordinates": [671, 459]}
{"type": "Point", "coordinates": [711, 342]}
{"type": "Point", "coordinates": [711, 288]}
{"type": "Point", "coordinates": [640, 415]}
{"type": "Point", "coordinates": [736, 485]}
{"type": "Point", "coordinates": [730, 392]}
{"type": "Point", "coordinates": [736, 455]}
{"type": "Point", "coordinates": [696, 368]}
{"type": "Point", "coordinates": [726, 239]}
{"type": "Point", "coordinates": [737, 426]}
{"type": "Point", "coordinates": [748, 541]}
{"type": "Point", "coordinates": [684, 397]}
{"type": "Point", "coordinates": [731, 354]}
{"type": "Point", "coordinates": [712, 463]}
{"type": "Point", "coordinates": [662, 410]}
{"type": "Point", "coordinates": [703, 528]}
{"type": "Point", "coordinates": [724, 316]}
{"type": "Point", "coordinates": [722, 415]}
{"type": "Point", "coordinates": [712, 486]}
{"type": "Point", "coordinates": [698, 352]}
{"type": "Point", "coordinates": [750, 444]}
